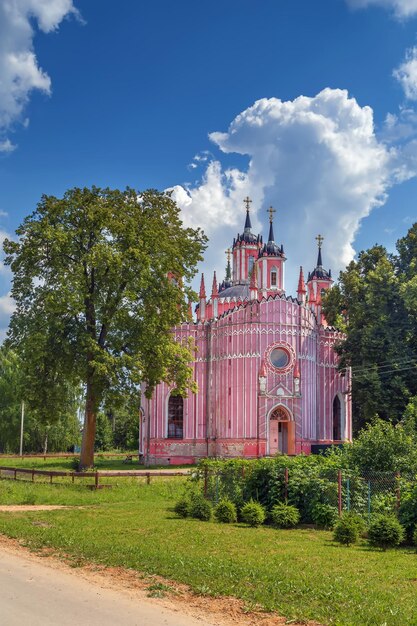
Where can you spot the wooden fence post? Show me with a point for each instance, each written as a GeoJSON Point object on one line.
{"type": "Point", "coordinates": [148, 478]}
{"type": "Point", "coordinates": [339, 491]}
{"type": "Point", "coordinates": [96, 480]}
{"type": "Point", "coordinates": [33, 476]}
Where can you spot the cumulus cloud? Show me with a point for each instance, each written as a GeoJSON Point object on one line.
{"type": "Point", "coordinates": [317, 160]}
{"type": "Point", "coordinates": [406, 74]}
{"type": "Point", "coordinates": [19, 69]}
{"type": "Point", "coordinates": [401, 8]}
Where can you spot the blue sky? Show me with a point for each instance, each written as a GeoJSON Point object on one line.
{"type": "Point", "coordinates": [308, 106]}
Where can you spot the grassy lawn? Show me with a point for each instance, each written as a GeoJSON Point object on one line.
{"type": "Point", "coordinates": [301, 574]}
{"type": "Point", "coordinates": [67, 463]}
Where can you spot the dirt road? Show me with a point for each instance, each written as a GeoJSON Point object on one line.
{"type": "Point", "coordinates": [35, 594]}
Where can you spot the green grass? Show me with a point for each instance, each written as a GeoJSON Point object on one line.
{"type": "Point", "coordinates": [301, 574]}
{"type": "Point", "coordinates": [67, 463]}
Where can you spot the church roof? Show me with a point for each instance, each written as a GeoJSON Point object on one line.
{"type": "Point", "coordinates": [235, 291]}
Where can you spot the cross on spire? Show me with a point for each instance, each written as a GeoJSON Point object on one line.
{"type": "Point", "coordinates": [271, 212]}
{"type": "Point", "coordinates": [248, 202]}
{"type": "Point", "coordinates": [319, 240]}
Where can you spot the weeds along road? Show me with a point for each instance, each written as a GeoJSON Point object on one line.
{"type": "Point", "coordinates": [34, 594]}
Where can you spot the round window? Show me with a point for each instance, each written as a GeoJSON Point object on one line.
{"type": "Point", "coordinates": [279, 358]}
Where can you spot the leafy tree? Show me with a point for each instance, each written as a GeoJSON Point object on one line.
{"type": "Point", "coordinates": [95, 298]}
{"type": "Point", "coordinates": [104, 433]}
{"type": "Point", "coordinates": [370, 297]}
{"type": "Point", "coordinates": [10, 400]}
{"type": "Point", "coordinates": [383, 447]}
{"type": "Point", "coordinates": [40, 433]}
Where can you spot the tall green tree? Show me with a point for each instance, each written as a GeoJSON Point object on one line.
{"type": "Point", "coordinates": [95, 297]}
{"type": "Point", "coordinates": [369, 298]}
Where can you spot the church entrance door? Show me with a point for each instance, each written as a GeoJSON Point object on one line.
{"type": "Point", "coordinates": [281, 432]}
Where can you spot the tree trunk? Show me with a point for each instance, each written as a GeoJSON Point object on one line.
{"type": "Point", "coordinates": [89, 430]}
{"type": "Point", "coordinates": [45, 444]}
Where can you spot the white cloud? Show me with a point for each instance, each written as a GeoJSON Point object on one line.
{"type": "Point", "coordinates": [401, 8]}
{"type": "Point", "coordinates": [406, 74]}
{"type": "Point", "coordinates": [316, 160]}
{"type": "Point", "coordinates": [7, 306]}
{"type": "Point", "coordinates": [19, 69]}
{"type": "Point", "coordinates": [7, 146]}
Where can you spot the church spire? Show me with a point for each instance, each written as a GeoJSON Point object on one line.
{"type": "Point", "coordinates": [271, 212]}
{"type": "Point", "coordinates": [202, 288]}
{"type": "Point", "coordinates": [319, 240]}
{"type": "Point", "coordinates": [248, 223]}
{"type": "Point", "coordinates": [228, 268]}
{"type": "Point", "coordinates": [301, 289]}
{"type": "Point", "coordinates": [301, 284]}
{"type": "Point", "coordinates": [214, 289]}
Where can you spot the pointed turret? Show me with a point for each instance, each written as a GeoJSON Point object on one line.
{"type": "Point", "coordinates": [296, 377]}
{"type": "Point", "coordinates": [202, 288]}
{"type": "Point", "coordinates": [214, 288]}
{"type": "Point", "coordinates": [319, 281]}
{"type": "Point", "coordinates": [301, 289]}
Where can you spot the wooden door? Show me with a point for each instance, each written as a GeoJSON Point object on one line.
{"type": "Point", "coordinates": [273, 437]}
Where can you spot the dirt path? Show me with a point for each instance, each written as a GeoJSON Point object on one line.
{"type": "Point", "coordinates": [42, 589]}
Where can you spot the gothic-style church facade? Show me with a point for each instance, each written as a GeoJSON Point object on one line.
{"type": "Point", "coordinates": [265, 366]}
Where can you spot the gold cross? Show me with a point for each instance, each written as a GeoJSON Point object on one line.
{"type": "Point", "coordinates": [228, 252]}
{"type": "Point", "coordinates": [271, 212]}
{"type": "Point", "coordinates": [247, 201]}
{"type": "Point", "coordinates": [319, 240]}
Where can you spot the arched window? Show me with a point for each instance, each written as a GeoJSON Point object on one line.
{"type": "Point", "coordinates": [337, 419]}
{"type": "Point", "coordinates": [280, 414]}
{"type": "Point", "coordinates": [274, 274]}
{"type": "Point", "coordinates": [251, 261]}
{"type": "Point", "coordinates": [175, 417]}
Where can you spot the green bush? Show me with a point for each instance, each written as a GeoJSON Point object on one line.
{"type": "Point", "coordinates": [408, 509]}
{"type": "Point", "coordinates": [415, 536]}
{"type": "Point", "coordinates": [225, 512]}
{"type": "Point", "coordinates": [183, 507]}
{"type": "Point", "coordinates": [324, 515]}
{"type": "Point", "coordinates": [348, 528]}
{"type": "Point", "coordinates": [385, 531]}
{"type": "Point", "coordinates": [253, 513]}
{"type": "Point", "coordinates": [284, 516]}
{"type": "Point", "coordinates": [200, 508]}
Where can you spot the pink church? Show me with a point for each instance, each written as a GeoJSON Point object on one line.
{"type": "Point", "coordinates": [265, 366]}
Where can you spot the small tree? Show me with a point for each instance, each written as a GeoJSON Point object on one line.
{"type": "Point", "coordinates": [95, 297]}
{"type": "Point", "coordinates": [385, 531]}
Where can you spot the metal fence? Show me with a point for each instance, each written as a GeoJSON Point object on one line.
{"type": "Point", "coordinates": [345, 490]}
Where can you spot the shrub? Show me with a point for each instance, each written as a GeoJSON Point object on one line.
{"type": "Point", "coordinates": [225, 512]}
{"type": "Point", "coordinates": [348, 528]}
{"type": "Point", "coordinates": [200, 508]}
{"type": "Point", "coordinates": [253, 513]}
{"type": "Point", "coordinates": [385, 531]}
{"type": "Point", "coordinates": [325, 515]}
{"type": "Point", "coordinates": [408, 509]}
{"type": "Point", "coordinates": [183, 507]}
{"type": "Point", "coordinates": [415, 536]}
{"type": "Point", "coordinates": [284, 516]}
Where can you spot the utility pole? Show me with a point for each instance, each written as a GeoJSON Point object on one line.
{"type": "Point", "coordinates": [21, 427]}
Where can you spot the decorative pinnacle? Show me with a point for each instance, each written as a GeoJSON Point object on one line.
{"type": "Point", "coordinates": [319, 240]}
{"type": "Point", "coordinates": [228, 268]}
{"type": "Point", "coordinates": [248, 202]}
{"type": "Point", "coordinates": [271, 212]}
